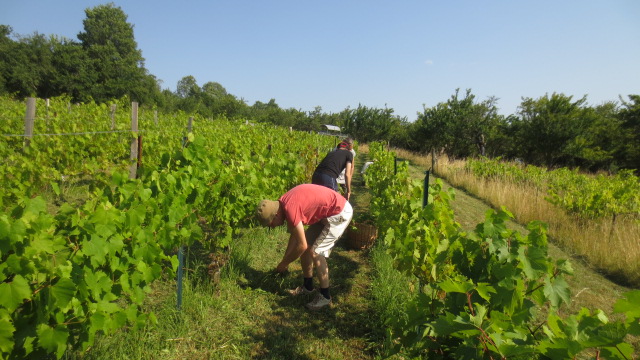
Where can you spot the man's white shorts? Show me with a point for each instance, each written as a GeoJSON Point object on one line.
{"type": "Point", "coordinates": [333, 227]}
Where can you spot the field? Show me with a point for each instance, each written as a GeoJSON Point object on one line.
{"type": "Point", "coordinates": [91, 247]}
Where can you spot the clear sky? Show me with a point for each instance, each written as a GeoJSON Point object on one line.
{"type": "Point", "coordinates": [400, 54]}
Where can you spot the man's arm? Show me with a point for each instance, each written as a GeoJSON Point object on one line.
{"type": "Point", "coordinates": [347, 178]}
{"type": "Point", "coordinates": [296, 246]}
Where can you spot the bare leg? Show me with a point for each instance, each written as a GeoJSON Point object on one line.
{"type": "Point", "coordinates": [306, 260]}
{"type": "Point", "coordinates": [322, 270]}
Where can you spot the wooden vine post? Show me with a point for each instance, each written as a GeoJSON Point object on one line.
{"type": "Point", "coordinates": [133, 168]}
{"type": "Point", "coordinates": [433, 159]}
{"type": "Point", "coordinates": [113, 116]}
{"type": "Point", "coordinates": [29, 118]}
{"type": "Point", "coordinates": [46, 103]}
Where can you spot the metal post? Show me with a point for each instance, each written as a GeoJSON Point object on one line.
{"type": "Point", "coordinates": [181, 249]}
{"type": "Point", "coordinates": [395, 165]}
{"type": "Point", "coordinates": [425, 197]}
{"type": "Point", "coordinates": [180, 266]}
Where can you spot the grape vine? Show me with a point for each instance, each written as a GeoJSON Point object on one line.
{"type": "Point", "coordinates": [482, 293]}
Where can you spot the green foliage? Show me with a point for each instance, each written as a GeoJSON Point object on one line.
{"type": "Point", "coordinates": [105, 65]}
{"type": "Point", "coordinates": [370, 124]}
{"type": "Point", "coordinates": [70, 271]}
{"type": "Point", "coordinates": [460, 127]}
{"type": "Point", "coordinates": [595, 196]}
{"type": "Point", "coordinates": [557, 131]}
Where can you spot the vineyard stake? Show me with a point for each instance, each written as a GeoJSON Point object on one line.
{"type": "Point", "coordinates": [395, 165]}
{"type": "Point", "coordinates": [28, 121]}
{"type": "Point", "coordinates": [113, 116]}
{"type": "Point", "coordinates": [133, 168]}
{"type": "Point", "coordinates": [180, 265]}
{"type": "Point", "coordinates": [181, 249]}
{"type": "Point", "coordinates": [139, 151]}
{"type": "Point", "coordinates": [425, 197]}
{"type": "Point", "coordinates": [186, 137]}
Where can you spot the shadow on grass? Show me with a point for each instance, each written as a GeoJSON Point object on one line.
{"type": "Point", "coordinates": [291, 331]}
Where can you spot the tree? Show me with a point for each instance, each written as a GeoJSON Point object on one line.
{"type": "Point", "coordinates": [630, 116]}
{"type": "Point", "coordinates": [596, 146]}
{"type": "Point", "coordinates": [187, 87]}
{"type": "Point", "coordinates": [230, 106]}
{"type": "Point", "coordinates": [548, 125]}
{"type": "Point", "coordinates": [73, 73]}
{"type": "Point", "coordinates": [28, 66]}
{"type": "Point", "coordinates": [214, 90]}
{"type": "Point", "coordinates": [460, 127]}
{"type": "Point", "coordinates": [369, 124]}
{"type": "Point", "coordinates": [6, 45]}
{"type": "Point", "coordinates": [188, 92]}
{"type": "Point", "coordinates": [113, 52]}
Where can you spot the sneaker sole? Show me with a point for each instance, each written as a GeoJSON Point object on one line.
{"type": "Point", "coordinates": [304, 292]}
{"type": "Point", "coordinates": [329, 306]}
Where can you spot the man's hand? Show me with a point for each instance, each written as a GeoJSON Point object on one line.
{"type": "Point", "coordinates": [281, 268]}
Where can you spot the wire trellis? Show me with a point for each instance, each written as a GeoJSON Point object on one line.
{"type": "Point", "coordinates": [75, 133]}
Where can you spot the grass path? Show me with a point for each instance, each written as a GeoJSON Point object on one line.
{"type": "Point", "coordinates": [286, 329]}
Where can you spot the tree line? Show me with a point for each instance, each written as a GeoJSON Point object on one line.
{"type": "Point", "coordinates": [104, 63]}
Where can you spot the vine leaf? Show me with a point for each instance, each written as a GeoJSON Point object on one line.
{"type": "Point", "coordinates": [557, 291]}
{"type": "Point", "coordinates": [13, 293]}
{"type": "Point", "coordinates": [622, 351]}
{"type": "Point", "coordinates": [458, 285]}
{"type": "Point", "coordinates": [53, 338]}
{"type": "Point", "coordinates": [6, 332]}
{"type": "Point", "coordinates": [630, 305]}
{"type": "Point", "coordinates": [63, 292]}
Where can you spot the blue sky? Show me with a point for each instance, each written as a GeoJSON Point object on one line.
{"type": "Point", "coordinates": [402, 54]}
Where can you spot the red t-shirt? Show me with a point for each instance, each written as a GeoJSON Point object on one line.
{"type": "Point", "coordinates": [310, 203]}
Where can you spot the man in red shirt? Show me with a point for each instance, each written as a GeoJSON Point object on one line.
{"type": "Point", "coordinates": [328, 213]}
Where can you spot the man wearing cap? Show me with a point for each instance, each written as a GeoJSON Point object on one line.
{"type": "Point", "coordinates": [328, 213]}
